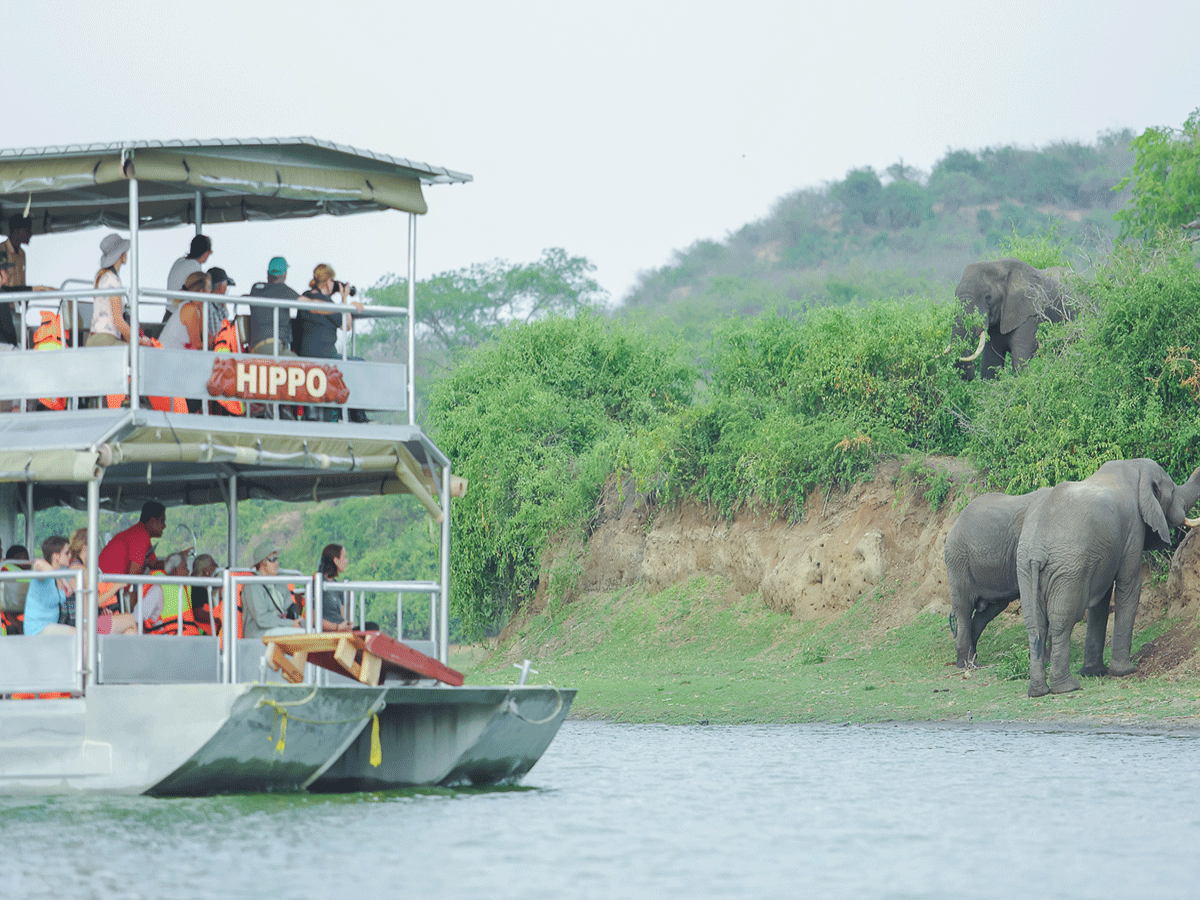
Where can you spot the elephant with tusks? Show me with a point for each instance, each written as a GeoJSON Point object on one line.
{"type": "Point", "coordinates": [1013, 298]}
{"type": "Point", "coordinates": [1080, 551]}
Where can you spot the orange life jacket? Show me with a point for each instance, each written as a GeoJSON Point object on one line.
{"type": "Point", "coordinates": [226, 341]}
{"type": "Point", "coordinates": [162, 404]}
{"type": "Point", "coordinates": [49, 336]}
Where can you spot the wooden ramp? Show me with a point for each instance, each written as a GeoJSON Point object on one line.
{"type": "Point", "coordinates": [368, 656]}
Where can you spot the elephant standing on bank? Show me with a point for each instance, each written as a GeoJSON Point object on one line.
{"type": "Point", "coordinates": [1078, 542]}
{"type": "Point", "coordinates": [981, 565]}
{"type": "Point", "coordinates": [1013, 297]}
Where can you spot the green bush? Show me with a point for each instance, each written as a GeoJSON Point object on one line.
{"type": "Point", "coordinates": [534, 420]}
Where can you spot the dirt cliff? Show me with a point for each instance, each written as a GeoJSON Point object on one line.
{"type": "Point", "coordinates": [879, 536]}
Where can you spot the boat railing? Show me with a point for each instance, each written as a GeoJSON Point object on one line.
{"type": "Point", "coordinates": [356, 592]}
{"type": "Point", "coordinates": [56, 663]}
{"type": "Point", "coordinates": [46, 663]}
{"type": "Point", "coordinates": [190, 374]}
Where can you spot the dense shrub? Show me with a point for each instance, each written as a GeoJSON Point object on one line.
{"type": "Point", "coordinates": [534, 420]}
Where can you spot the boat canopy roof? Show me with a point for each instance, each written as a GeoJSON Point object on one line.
{"type": "Point", "coordinates": [87, 185]}
{"type": "Point", "coordinates": [178, 459]}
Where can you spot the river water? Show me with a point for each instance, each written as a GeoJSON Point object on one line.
{"type": "Point", "coordinates": [617, 811]}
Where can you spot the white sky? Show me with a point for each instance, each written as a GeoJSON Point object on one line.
{"type": "Point", "coordinates": [620, 131]}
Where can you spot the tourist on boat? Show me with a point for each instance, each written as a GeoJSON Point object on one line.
{"type": "Point", "coordinates": [13, 592]}
{"type": "Point", "coordinates": [47, 596]}
{"type": "Point", "coordinates": [264, 606]}
{"type": "Point", "coordinates": [183, 330]}
{"type": "Point", "coordinates": [111, 620]}
{"type": "Point", "coordinates": [20, 230]}
{"type": "Point", "coordinates": [198, 254]}
{"type": "Point", "coordinates": [130, 551]}
{"type": "Point", "coordinates": [220, 279]}
{"type": "Point", "coordinates": [262, 329]}
{"type": "Point", "coordinates": [108, 313]}
{"type": "Point", "coordinates": [8, 316]}
{"type": "Point", "coordinates": [204, 566]}
{"type": "Point", "coordinates": [316, 332]}
{"type": "Point", "coordinates": [149, 609]}
{"type": "Point", "coordinates": [334, 562]}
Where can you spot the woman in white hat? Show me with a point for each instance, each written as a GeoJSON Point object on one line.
{"type": "Point", "coordinates": [108, 319]}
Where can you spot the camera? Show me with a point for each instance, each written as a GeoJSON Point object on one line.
{"type": "Point", "coordinates": [346, 290]}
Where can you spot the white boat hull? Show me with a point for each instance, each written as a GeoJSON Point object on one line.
{"type": "Point", "coordinates": [171, 740]}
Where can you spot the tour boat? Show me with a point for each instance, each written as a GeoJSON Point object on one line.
{"type": "Point", "coordinates": [200, 714]}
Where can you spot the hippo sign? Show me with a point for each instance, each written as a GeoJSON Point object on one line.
{"type": "Point", "coordinates": [277, 379]}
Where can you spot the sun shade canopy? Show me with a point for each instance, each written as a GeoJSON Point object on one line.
{"type": "Point", "coordinates": [87, 186]}
{"type": "Point", "coordinates": [179, 459]}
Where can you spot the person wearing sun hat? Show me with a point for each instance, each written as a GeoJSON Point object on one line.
{"type": "Point", "coordinates": [264, 606]}
{"type": "Point", "coordinates": [108, 318]}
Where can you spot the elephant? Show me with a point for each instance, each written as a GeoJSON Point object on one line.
{"type": "Point", "coordinates": [981, 565]}
{"type": "Point", "coordinates": [1013, 297]}
{"type": "Point", "coordinates": [1083, 544]}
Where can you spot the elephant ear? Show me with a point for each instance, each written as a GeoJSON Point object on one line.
{"type": "Point", "coordinates": [1153, 483]}
{"type": "Point", "coordinates": [1021, 286]}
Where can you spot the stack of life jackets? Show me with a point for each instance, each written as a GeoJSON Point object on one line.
{"type": "Point", "coordinates": [227, 341]}
{"type": "Point", "coordinates": [162, 404]}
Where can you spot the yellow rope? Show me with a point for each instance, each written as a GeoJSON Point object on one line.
{"type": "Point", "coordinates": [282, 716]}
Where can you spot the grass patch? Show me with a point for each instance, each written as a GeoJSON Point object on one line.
{"type": "Point", "coordinates": [689, 654]}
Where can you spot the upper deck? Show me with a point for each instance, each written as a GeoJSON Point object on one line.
{"type": "Point", "coordinates": [142, 185]}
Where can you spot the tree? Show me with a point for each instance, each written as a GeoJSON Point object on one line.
{"type": "Point", "coordinates": [906, 204]}
{"type": "Point", "coordinates": [1165, 181]}
{"type": "Point", "coordinates": [461, 309]}
{"type": "Point", "coordinates": [860, 195]}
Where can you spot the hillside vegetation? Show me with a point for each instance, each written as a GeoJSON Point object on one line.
{"type": "Point", "coordinates": [803, 393]}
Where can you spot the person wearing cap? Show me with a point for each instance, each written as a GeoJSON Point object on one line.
{"type": "Point", "coordinates": [264, 606]}
{"type": "Point", "coordinates": [198, 254]}
{"type": "Point", "coordinates": [108, 319]}
{"type": "Point", "coordinates": [262, 322]}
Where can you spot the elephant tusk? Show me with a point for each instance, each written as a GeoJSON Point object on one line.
{"type": "Point", "coordinates": [978, 350]}
{"type": "Point", "coordinates": [1191, 523]}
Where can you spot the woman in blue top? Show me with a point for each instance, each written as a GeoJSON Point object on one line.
{"type": "Point", "coordinates": [47, 595]}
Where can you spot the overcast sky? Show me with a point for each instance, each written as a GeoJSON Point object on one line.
{"type": "Point", "coordinates": [618, 131]}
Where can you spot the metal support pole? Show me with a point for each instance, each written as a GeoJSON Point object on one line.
{"type": "Point", "coordinates": [231, 529]}
{"type": "Point", "coordinates": [29, 519]}
{"type": "Point", "coordinates": [91, 610]}
{"type": "Point", "coordinates": [412, 319]}
{"type": "Point", "coordinates": [135, 383]}
{"type": "Point", "coordinates": [443, 645]}
{"type": "Point", "coordinates": [199, 213]}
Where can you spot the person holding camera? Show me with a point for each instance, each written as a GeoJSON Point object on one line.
{"type": "Point", "coordinates": [316, 332]}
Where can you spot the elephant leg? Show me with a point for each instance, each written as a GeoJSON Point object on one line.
{"type": "Point", "coordinates": [1061, 679]}
{"type": "Point", "coordinates": [985, 611]}
{"type": "Point", "coordinates": [1097, 629]}
{"type": "Point", "coordinates": [993, 359]}
{"type": "Point", "coordinates": [1035, 625]}
{"type": "Point", "coordinates": [960, 625]}
{"type": "Point", "coordinates": [1022, 343]}
{"type": "Point", "coordinates": [1126, 596]}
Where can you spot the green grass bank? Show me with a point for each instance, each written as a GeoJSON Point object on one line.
{"type": "Point", "coordinates": [689, 655]}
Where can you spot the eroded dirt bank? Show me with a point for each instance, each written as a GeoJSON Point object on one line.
{"type": "Point", "coordinates": [881, 537]}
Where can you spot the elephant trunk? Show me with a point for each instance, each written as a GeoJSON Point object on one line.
{"type": "Point", "coordinates": [1187, 494]}
{"type": "Point", "coordinates": [978, 350]}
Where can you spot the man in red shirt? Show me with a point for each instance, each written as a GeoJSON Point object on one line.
{"type": "Point", "coordinates": [129, 552]}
